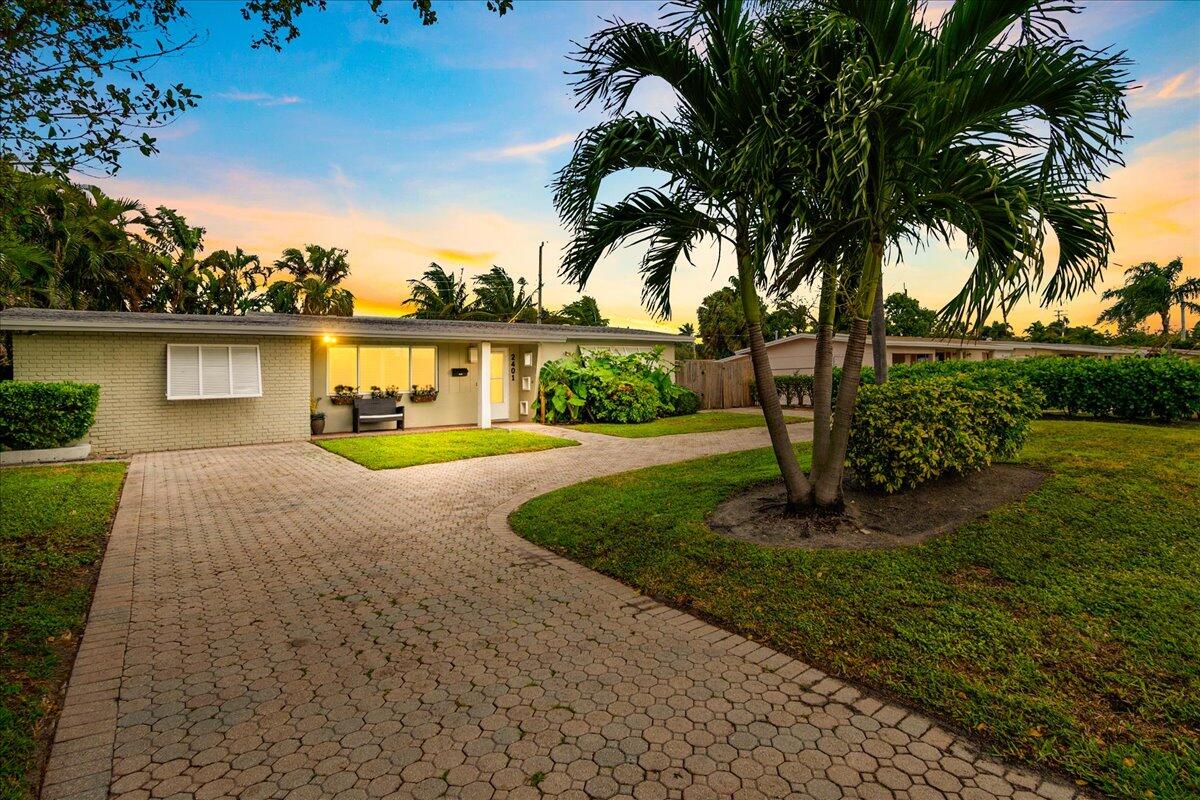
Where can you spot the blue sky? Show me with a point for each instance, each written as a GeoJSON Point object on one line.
{"type": "Point", "coordinates": [407, 144]}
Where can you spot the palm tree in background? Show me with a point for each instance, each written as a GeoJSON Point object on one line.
{"type": "Point", "coordinates": [230, 282]}
{"type": "Point", "coordinates": [176, 245]}
{"type": "Point", "coordinates": [499, 298]}
{"type": "Point", "coordinates": [316, 273]}
{"type": "Point", "coordinates": [438, 294]}
{"type": "Point", "coordinates": [1151, 290]}
{"type": "Point", "coordinates": [716, 57]}
{"type": "Point", "coordinates": [991, 125]}
{"type": "Point", "coordinates": [584, 311]}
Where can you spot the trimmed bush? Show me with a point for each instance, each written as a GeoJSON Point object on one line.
{"type": "Point", "coordinates": [793, 390]}
{"type": "Point", "coordinates": [1165, 388]}
{"type": "Point", "coordinates": [36, 415]}
{"type": "Point", "coordinates": [908, 432]}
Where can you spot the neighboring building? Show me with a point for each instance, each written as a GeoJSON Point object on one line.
{"type": "Point", "coordinates": [798, 353]}
{"type": "Point", "coordinates": [176, 381]}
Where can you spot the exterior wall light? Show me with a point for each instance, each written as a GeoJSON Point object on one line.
{"type": "Point", "coordinates": [472, 354]}
{"type": "Point", "coordinates": [327, 339]}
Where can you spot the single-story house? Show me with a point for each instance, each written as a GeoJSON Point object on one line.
{"type": "Point", "coordinates": [177, 381]}
{"type": "Point", "coordinates": [797, 353]}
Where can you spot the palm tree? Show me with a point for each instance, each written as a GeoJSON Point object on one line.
{"type": "Point", "coordinates": [316, 273]}
{"type": "Point", "coordinates": [715, 56]}
{"type": "Point", "coordinates": [584, 311]}
{"type": "Point", "coordinates": [439, 294]}
{"type": "Point", "coordinates": [176, 245]}
{"type": "Point", "coordinates": [1149, 290]}
{"type": "Point", "coordinates": [230, 282]}
{"type": "Point", "coordinates": [991, 126]}
{"type": "Point", "coordinates": [499, 298]}
{"type": "Point", "coordinates": [67, 245]}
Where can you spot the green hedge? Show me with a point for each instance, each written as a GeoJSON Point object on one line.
{"type": "Point", "coordinates": [793, 390]}
{"type": "Point", "coordinates": [35, 415]}
{"type": "Point", "coordinates": [1165, 387]}
{"type": "Point", "coordinates": [908, 432]}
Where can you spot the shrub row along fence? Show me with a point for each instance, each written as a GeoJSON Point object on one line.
{"type": "Point", "coordinates": [1164, 388]}
{"type": "Point", "coordinates": [36, 415]}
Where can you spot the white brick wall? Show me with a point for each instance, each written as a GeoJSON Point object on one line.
{"type": "Point", "coordinates": [134, 414]}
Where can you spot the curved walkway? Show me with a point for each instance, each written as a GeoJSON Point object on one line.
{"type": "Point", "coordinates": [279, 622]}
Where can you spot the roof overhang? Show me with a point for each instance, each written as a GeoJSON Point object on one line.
{"type": "Point", "coordinates": [19, 319]}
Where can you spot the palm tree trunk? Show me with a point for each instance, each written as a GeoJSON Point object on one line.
{"type": "Point", "coordinates": [1165, 316]}
{"type": "Point", "coordinates": [799, 490]}
{"type": "Point", "coordinates": [879, 353]}
{"type": "Point", "coordinates": [822, 391]}
{"type": "Point", "coordinates": [827, 490]}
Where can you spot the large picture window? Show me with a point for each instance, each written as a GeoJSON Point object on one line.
{"type": "Point", "coordinates": [212, 371]}
{"type": "Point", "coordinates": [365, 366]}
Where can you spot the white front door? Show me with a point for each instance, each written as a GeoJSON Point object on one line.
{"type": "Point", "coordinates": [498, 383]}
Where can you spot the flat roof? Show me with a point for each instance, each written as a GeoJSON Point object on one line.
{"type": "Point", "coordinates": [265, 324]}
{"type": "Point", "coordinates": [965, 344]}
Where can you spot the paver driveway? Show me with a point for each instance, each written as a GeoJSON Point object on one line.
{"type": "Point", "coordinates": [278, 622]}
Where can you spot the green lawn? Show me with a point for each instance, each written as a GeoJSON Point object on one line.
{"type": "Point", "coordinates": [1063, 630]}
{"type": "Point", "coordinates": [52, 533]}
{"type": "Point", "coordinates": [704, 422]}
{"type": "Point", "coordinates": [409, 449]}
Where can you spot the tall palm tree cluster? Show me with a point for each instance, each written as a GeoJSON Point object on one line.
{"type": "Point", "coordinates": [492, 296]}
{"type": "Point", "coordinates": [810, 141]}
{"type": "Point", "coordinates": [1151, 290]}
{"type": "Point", "coordinates": [63, 245]}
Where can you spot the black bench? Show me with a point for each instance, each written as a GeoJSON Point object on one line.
{"type": "Point", "coordinates": [378, 409]}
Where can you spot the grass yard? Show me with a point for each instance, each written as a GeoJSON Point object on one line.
{"type": "Point", "coordinates": [393, 451]}
{"type": "Point", "coordinates": [1063, 630]}
{"type": "Point", "coordinates": [704, 422]}
{"type": "Point", "coordinates": [52, 534]}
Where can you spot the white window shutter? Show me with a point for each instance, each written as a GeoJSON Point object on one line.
{"type": "Point", "coordinates": [247, 380]}
{"type": "Point", "coordinates": [214, 371]}
{"type": "Point", "coordinates": [183, 371]}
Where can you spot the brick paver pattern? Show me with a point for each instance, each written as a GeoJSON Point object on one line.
{"type": "Point", "coordinates": [278, 622]}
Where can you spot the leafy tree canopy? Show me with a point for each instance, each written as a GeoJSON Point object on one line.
{"type": "Point", "coordinates": [75, 90]}
{"type": "Point", "coordinates": [907, 317]}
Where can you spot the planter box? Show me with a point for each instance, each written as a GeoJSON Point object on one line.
{"type": "Point", "coordinates": [75, 452]}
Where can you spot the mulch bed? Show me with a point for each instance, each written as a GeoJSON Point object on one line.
{"type": "Point", "coordinates": [874, 520]}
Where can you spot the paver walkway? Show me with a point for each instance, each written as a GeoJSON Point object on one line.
{"type": "Point", "coordinates": [277, 621]}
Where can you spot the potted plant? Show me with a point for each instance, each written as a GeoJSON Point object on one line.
{"type": "Point", "coordinates": [343, 395]}
{"type": "Point", "coordinates": [376, 393]}
{"type": "Point", "coordinates": [423, 394]}
{"type": "Point", "coordinates": [316, 419]}
{"type": "Point", "coordinates": [392, 392]}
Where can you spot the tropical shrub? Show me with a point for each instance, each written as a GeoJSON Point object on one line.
{"type": "Point", "coordinates": [599, 386]}
{"type": "Point", "coordinates": [623, 398]}
{"type": "Point", "coordinates": [36, 415]}
{"type": "Point", "coordinates": [686, 402]}
{"type": "Point", "coordinates": [908, 432]}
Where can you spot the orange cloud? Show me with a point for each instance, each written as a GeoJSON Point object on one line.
{"type": "Point", "coordinates": [530, 150]}
{"type": "Point", "coordinates": [1167, 89]}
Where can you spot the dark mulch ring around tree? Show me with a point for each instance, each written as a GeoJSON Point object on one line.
{"type": "Point", "coordinates": [871, 519]}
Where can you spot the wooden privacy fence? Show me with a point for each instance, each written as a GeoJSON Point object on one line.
{"type": "Point", "coordinates": [720, 384]}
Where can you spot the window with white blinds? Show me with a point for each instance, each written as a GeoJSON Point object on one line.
{"type": "Point", "coordinates": [212, 371]}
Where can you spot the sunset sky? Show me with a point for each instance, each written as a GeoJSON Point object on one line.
{"type": "Point", "coordinates": [408, 144]}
